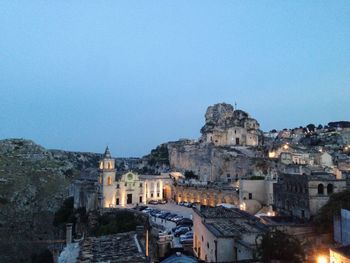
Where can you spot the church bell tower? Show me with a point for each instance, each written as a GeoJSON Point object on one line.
{"type": "Point", "coordinates": [107, 178]}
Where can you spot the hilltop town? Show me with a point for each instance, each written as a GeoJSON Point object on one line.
{"type": "Point", "coordinates": [217, 198]}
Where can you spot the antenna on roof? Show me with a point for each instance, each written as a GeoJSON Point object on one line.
{"type": "Point", "coordinates": [235, 105]}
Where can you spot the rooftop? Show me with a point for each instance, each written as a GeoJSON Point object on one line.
{"type": "Point", "coordinates": [179, 258]}
{"type": "Point", "coordinates": [219, 212]}
{"type": "Point", "coordinates": [229, 222]}
{"type": "Point", "coordinates": [231, 228]}
{"type": "Point", "coordinates": [112, 248]}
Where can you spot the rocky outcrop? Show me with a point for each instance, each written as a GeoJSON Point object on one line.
{"type": "Point", "coordinates": [33, 183]}
{"type": "Point", "coordinates": [215, 163]}
{"type": "Point", "coordinates": [223, 116]}
{"type": "Point", "coordinates": [187, 155]}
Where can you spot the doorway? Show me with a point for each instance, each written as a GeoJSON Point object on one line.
{"type": "Point", "coordinates": [129, 199]}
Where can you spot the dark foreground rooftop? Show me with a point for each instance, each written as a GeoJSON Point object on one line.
{"type": "Point", "coordinates": [179, 258]}
{"type": "Point", "coordinates": [112, 248]}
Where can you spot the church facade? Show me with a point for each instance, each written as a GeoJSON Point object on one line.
{"type": "Point", "coordinates": [130, 189]}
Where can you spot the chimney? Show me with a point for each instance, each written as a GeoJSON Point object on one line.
{"type": "Point", "coordinates": [69, 233]}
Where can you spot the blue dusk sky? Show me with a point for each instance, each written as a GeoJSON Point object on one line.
{"type": "Point", "coordinates": [78, 75]}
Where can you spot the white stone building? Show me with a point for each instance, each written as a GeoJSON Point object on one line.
{"type": "Point", "coordinates": [258, 190]}
{"type": "Point", "coordinates": [130, 188]}
{"type": "Point", "coordinates": [225, 235]}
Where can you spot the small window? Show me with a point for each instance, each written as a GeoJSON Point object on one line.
{"type": "Point", "coordinates": [118, 186]}
{"type": "Point", "coordinates": [228, 175]}
{"type": "Point", "coordinates": [250, 196]}
{"type": "Point", "coordinates": [109, 180]}
{"type": "Point", "coordinates": [320, 189]}
{"type": "Point", "coordinates": [140, 185]}
{"type": "Point", "coordinates": [140, 199]}
{"type": "Point", "coordinates": [329, 189]}
{"type": "Point", "coordinates": [157, 194]}
{"type": "Point", "coordinates": [117, 201]}
{"type": "Point", "coordinates": [207, 244]}
{"type": "Point", "coordinates": [202, 238]}
{"type": "Point", "coordinates": [151, 194]}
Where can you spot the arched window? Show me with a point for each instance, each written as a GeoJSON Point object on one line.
{"type": "Point", "coordinates": [320, 189]}
{"type": "Point", "coordinates": [329, 189]}
{"type": "Point", "coordinates": [109, 180]}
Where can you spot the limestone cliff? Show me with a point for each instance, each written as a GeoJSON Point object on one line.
{"type": "Point", "coordinates": [217, 163]}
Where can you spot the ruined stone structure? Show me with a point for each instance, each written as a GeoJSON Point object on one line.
{"type": "Point", "coordinates": [225, 126]}
{"type": "Point", "coordinates": [130, 188]}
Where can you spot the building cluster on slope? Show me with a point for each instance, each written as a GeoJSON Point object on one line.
{"type": "Point", "coordinates": [275, 180]}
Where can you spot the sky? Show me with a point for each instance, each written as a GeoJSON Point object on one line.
{"type": "Point", "coordinates": [80, 75]}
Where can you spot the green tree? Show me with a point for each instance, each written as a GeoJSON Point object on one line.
{"type": "Point", "coordinates": [44, 256]}
{"type": "Point", "coordinates": [324, 218]}
{"type": "Point", "coordinates": [117, 222]}
{"type": "Point", "coordinates": [65, 214]}
{"type": "Point", "coordinates": [276, 245]}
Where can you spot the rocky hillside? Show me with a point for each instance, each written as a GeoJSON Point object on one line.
{"type": "Point", "coordinates": [33, 183]}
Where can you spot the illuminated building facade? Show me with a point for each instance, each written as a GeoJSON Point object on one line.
{"type": "Point", "coordinates": [130, 189]}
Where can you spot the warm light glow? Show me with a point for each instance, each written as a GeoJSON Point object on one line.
{"type": "Point", "coordinates": [285, 146]}
{"type": "Point", "coordinates": [272, 154]}
{"type": "Point", "coordinates": [270, 213]}
{"type": "Point", "coordinates": [123, 199]}
{"type": "Point", "coordinates": [242, 206]}
{"type": "Point", "coordinates": [322, 259]}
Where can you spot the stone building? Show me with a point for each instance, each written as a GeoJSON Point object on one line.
{"type": "Point", "coordinates": [302, 193]}
{"type": "Point", "coordinates": [259, 190]}
{"type": "Point", "coordinates": [323, 159]}
{"type": "Point", "coordinates": [85, 190]}
{"type": "Point", "coordinates": [130, 188]}
{"type": "Point", "coordinates": [225, 126]}
{"type": "Point", "coordinates": [225, 235]}
{"type": "Point", "coordinates": [209, 195]}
